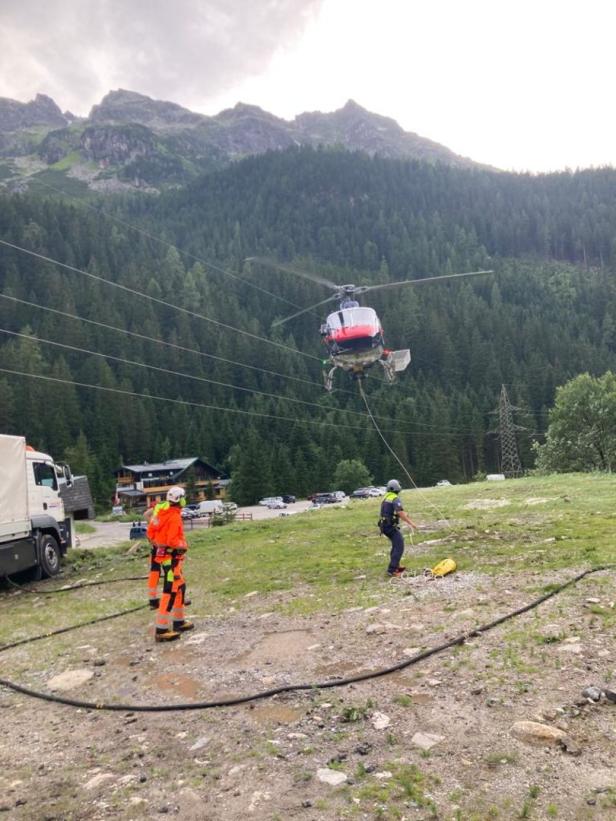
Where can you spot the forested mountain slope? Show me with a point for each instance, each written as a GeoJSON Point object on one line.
{"type": "Point", "coordinates": [547, 313]}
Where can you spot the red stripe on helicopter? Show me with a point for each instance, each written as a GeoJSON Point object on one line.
{"type": "Point", "coordinates": [354, 332]}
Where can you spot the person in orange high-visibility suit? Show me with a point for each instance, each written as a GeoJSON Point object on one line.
{"type": "Point", "coordinates": [168, 535]}
{"type": "Point", "coordinates": [151, 516]}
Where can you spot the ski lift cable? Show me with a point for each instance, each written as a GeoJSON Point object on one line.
{"type": "Point", "coordinates": [156, 300]}
{"type": "Point", "coordinates": [169, 244]}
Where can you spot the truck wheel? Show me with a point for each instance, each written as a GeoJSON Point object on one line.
{"type": "Point", "coordinates": [49, 555]}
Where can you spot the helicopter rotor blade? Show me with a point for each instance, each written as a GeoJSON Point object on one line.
{"type": "Point", "coordinates": [278, 322]}
{"type": "Point", "coordinates": [364, 288]}
{"type": "Point", "coordinates": [304, 274]}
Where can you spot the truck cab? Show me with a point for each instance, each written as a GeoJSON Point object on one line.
{"type": "Point", "coordinates": [34, 529]}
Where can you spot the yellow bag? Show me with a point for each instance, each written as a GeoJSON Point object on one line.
{"type": "Point", "coordinates": [443, 568]}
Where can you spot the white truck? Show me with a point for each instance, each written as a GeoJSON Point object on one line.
{"type": "Point", "coordinates": [34, 531]}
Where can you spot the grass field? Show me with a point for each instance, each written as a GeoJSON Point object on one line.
{"type": "Point", "coordinates": [267, 594]}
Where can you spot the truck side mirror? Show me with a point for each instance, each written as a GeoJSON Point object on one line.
{"type": "Point", "coordinates": [68, 476]}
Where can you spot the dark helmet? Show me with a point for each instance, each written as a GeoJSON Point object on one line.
{"type": "Point", "coordinates": [394, 485]}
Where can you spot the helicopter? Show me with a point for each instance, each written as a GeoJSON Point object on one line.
{"type": "Point", "coordinates": [353, 334]}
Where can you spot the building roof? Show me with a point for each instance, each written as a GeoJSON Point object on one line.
{"type": "Point", "coordinates": [170, 466]}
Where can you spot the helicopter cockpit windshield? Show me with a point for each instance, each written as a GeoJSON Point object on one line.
{"type": "Point", "coordinates": [352, 330]}
{"type": "Point", "coordinates": [347, 318]}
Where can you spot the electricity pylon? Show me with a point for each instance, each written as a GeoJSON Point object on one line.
{"type": "Point", "coordinates": [510, 458]}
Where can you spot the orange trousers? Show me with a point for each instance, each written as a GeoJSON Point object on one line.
{"type": "Point", "coordinates": [171, 607]}
{"type": "Point", "coordinates": [154, 574]}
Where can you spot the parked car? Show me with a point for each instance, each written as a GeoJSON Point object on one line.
{"type": "Point", "coordinates": [138, 530]}
{"type": "Point", "coordinates": [230, 507]}
{"type": "Point", "coordinates": [265, 501]}
{"type": "Point", "coordinates": [289, 499]}
{"type": "Point", "coordinates": [361, 493]}
{"type": "Point", "coordinates": [324, 499]}
{"type": "Point", "coordinates": [374, 491]}
{"type": "Point", "coordinates": [276, 504]}
{"type": "Point", "coordinates": [210, 506]}
{"type": "Point", "coordinates": [190, 513]}
{"type": "Point", "coordinates": [443, 483]}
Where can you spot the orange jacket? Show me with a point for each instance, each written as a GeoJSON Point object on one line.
{"type": "Point", "coordinates": [154, 521]}
{"type": "Point", "coordinates": [170, 529]}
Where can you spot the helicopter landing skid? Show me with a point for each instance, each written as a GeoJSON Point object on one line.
{"type": "Point", "coordinates": [328, 377]}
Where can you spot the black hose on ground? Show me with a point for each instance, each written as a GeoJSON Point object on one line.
{"type": "Point", "coordinates": [36, 592]}
{"type": "Point", "coordinates": [60, 630]}
{"type": "Point", "coordinates": [288, 688]}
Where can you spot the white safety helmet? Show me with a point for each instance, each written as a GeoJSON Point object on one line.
{"type": "Point", "coordinates": [175, 494]}
{"type": "Point", "coordinates": [394, 485]}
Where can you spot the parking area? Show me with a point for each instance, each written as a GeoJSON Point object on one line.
{"type": "Point", "coordinates": [109, 534]}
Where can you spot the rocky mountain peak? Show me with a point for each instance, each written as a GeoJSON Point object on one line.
{"type": "Point", "coordinates": [243, 111]}
{"type": "Point", "coordinates": [122, 107]}
{"type": "Point", "coordinates": [40, 111]}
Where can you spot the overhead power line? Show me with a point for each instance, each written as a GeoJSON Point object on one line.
{"type": "Point", "coordinates": [185, 402]}
{"type": "Point", "coordinates": [156, 300]}
{"type": "Point", "coordinates": [157, 341]}
{"type": "Point", "coordinates": [175, 346]}
{"type": "Point", "coordinates": [168, 244]}
{"type": "Point", "coordinates": [170, 372]}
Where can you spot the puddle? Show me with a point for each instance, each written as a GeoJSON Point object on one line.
{"type": "Point", "coordinates": [275, 714]}
{"type": "Point", "coordinates": [175, 683]}
{"type": "Point", "coordinates": [336, 670]}
{"type": "Point", "coordinates": [421, 698]}
{"type": "Point", "coordinates": [278, 647]}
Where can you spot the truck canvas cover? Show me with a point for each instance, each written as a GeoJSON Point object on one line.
{"type": "Point", "coordinates": [14, 518]}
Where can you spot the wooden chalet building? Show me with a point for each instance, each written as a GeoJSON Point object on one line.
{"type": "Point", "coordinates": [147, 484]}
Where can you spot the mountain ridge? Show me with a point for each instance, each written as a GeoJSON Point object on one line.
{"type": "Point", "coordinates": [130, 140]}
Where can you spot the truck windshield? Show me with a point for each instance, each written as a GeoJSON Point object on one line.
{"type": "Point", "coordinates": [45, 475]}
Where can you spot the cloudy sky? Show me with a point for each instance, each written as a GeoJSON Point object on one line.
{"type": "Point", "coordinates": [525, 85]}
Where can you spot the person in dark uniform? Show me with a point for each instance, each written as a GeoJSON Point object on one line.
{"type": "Point", "coordinates": [389, 525]}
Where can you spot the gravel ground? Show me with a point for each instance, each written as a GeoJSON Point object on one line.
{"type": "Point", "coordinates": [437, 740]}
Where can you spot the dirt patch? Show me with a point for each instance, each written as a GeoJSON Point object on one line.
{"type": "Point", "coordinates": [184, 686]}
{"type": "Point", "coordinates": [269, 714]}
{"type": "Point", "coordinates": [278, 647]}
{"type": "Point", "coordinates": [486, 504]}
{"type": "Point", "coordinates": [262, 760]}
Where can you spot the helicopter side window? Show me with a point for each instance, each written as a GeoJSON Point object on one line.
{"type": "Point", "coordinates": [333, 321]}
